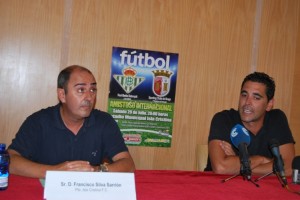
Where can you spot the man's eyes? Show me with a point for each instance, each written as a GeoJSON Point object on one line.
{"type": "Point", "coordinates": [243, 94]}
{"type": "Point", "coordinates": [256, 97]}
{"type": "Point", "coordinates": [84, 90]}
{"type": "Point", "coordinates": [93, 90]}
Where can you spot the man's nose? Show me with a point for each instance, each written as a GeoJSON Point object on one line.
{"type": "Point", "coordinates": [89, 95]}
{"type": "Point", "coordinates": [248, 100]}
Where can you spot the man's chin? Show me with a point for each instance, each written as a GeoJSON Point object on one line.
{"type": "Point", "coordinates": [246, 120]}
{"type": "Point", "coordinates": [85, 113]}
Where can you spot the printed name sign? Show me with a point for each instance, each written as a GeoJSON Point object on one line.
{"type": "Point", "coordinates": [62, 185]}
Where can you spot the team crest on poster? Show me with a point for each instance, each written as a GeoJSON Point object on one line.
{"type": "Point", "coordinates": [128, 81]}
{"type": "Point", "coordinates": [161, 82]}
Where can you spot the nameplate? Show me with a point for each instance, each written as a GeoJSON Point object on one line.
{"type": "Point", "coordinates": [62, 185]}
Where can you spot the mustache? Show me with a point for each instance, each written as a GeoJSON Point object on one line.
{"type": "Point", "coordinates": [86, 103]}
{"type": "Point", "coordinates": [247, 107]}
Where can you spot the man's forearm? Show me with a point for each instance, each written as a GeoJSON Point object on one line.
{"type": "Point", "coordinates": [261, 165]}
{"type": "Point", "coordinates": [23, 167]}
{"type": "Point", "coordinates": [122, 165]}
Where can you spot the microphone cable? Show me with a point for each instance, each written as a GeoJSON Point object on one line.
{"type": "Point", "coordinates": [291, 190]}
{"type": "Point", "coordinates": [286, 185]}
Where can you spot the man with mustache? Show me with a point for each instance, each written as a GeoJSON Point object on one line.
{"type": "Point", "coordinates": [255, 112]}
{"type": "Point", "coordinates": [71, 136]}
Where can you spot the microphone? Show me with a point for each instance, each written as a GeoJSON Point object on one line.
{"type": "Point", "coordinates": [296, 170]}
{"type": "Point", "coordinates": [278, 162]}
{"type": "Point", "coordinates": [240, 138]}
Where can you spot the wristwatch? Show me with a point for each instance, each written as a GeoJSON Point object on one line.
{"type": "Point", "coordinates": [103, 167]}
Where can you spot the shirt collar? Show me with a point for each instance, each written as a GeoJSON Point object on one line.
{"type": "Point", "coordinates": [58, 122]}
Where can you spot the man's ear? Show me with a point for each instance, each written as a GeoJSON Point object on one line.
{"type": "Point", "coordinates": [61, 95]}
{"type": "Point", "coordinates": [270, 105]}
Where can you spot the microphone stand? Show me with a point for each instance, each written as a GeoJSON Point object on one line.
{"type": "Point", "coordinates": [231, 177]}
{"type": "Point", "coordinates": [268, 174]}
{"type": "Point", "coordinates": [275, 171]}
{"type": "Point", "coordinates": [245, 169]}
{"type": "Point", "coordinates": [245, 172]}
{"type": "Point", "coordinates": [283, 184]}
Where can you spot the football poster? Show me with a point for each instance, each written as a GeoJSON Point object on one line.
{"type": "Point", "coordinates": [142, 95]}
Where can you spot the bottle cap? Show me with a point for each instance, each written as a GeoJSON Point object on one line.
{"type": "Point", "coordinates": [2, 146]}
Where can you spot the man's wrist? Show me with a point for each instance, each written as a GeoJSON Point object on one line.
{"type": "Point", "coordinates": [103, 168]}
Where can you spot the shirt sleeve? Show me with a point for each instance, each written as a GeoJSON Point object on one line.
{"type": "Point", "coordinates": [279, 127]}
{"type": "Point", "coordinates": [221, 126]}
{"type": "Point", "coordinates": [26, 137]}
{"type": "Point", "coordinates": [113, 139]}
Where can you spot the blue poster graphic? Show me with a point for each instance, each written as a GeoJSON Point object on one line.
{"type": "Point", "coordinates": [142, 95]}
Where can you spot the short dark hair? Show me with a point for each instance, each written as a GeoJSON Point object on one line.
{"type": "Point", "coordinates": [64, 76]}
{"type": "Point", "coordinates": [263, 78]}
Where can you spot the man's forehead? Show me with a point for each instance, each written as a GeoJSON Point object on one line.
{"type": "Point", "coordinates": [82, 78]}
{"type": "Point", "coordinates": [251, 84]}
{"type": "Point", "coordinates": [254, 87]}
{"type": "Point", "coordinates": [85, 84]}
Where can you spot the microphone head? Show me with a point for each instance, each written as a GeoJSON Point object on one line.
{"type": "Point", "coordinates": [296, 163]}
{"type": "Point", "coordinates": [296, 170]}
{"type": "Point", "coordinates": [238, 135]}
{"type": "Point", "coordinates": [274, 147]}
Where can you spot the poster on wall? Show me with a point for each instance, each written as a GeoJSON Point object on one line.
{"type": "Point", "coordinates": [142, 95]}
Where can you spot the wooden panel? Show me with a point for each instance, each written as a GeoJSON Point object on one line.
{"type": "Point", "coordinates": [214, 40]}
{"type": "Point", "coordinates": [277, 55]}
{"type": "Point", "coordinates": [277, 47]}
{"type": "Point", "coordinates": [200, 31]}
{"type": "Point", "coordinates": [30, 37]}
{"type": "Point", "coordinates": [295, 105]}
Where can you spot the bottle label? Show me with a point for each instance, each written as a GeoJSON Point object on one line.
{"type": "Point", "coordinates": [4, 180]}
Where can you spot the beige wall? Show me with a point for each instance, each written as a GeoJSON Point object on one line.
{"type": "Point", "coordinates": [218, 43]}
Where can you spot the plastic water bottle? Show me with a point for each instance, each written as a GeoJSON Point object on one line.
{"type": "Point", "coordinates": [4, 163]}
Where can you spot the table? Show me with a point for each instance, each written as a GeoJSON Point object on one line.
{"type": "Point", "coordinates": [174, 185]}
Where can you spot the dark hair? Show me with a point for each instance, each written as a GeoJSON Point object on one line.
{"type": "Point", "coordinates": [64, 76]}
{"type": "Point", "coordinates": [263, 78]}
